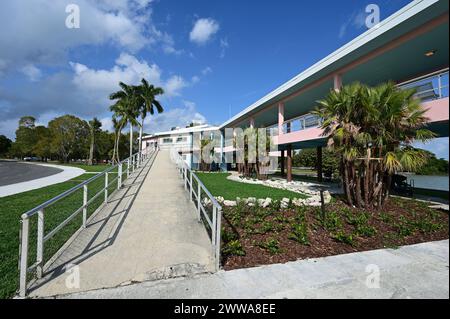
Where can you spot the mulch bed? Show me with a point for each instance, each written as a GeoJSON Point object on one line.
{"type": "Point", "coordinates": [255, 236]}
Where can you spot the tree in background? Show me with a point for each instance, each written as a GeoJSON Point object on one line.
{"type": "Point", "coordinates": [126, 108]}
{"type": "Point", "coordinates": [26, 138]}
{"type": "Point", "coordinates": [372, 130]}
{"type": "Point", "coordinates": [42, 148]}
{"type": "Point", "coordinates": [69, 137]}
{"type": "Point", "coordinates": [434, 166]}
{"type": "Point", "coordinates": [94, 129]}
{"type": "Point", "coordinates": [148, 103]}
{"type": "Point", "coordinates": [5, 145]}
{"type": "Point", "coordinates": [308, 158]}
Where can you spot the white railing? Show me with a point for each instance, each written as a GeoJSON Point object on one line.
{"type": "Point", "coordinates": [107, 189]}
{"type": "Point", "coordinates": [203, 201]}
{"type": "Point", "coordinates": [301, 123]}
{"type": "Point", "coordinates": [429, 87]}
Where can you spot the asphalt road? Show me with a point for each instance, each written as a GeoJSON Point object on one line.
{"type": "Point", "coordinates": [17, 172]}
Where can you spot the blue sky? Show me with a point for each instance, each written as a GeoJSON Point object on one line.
{"type": "Point", "coordinates": [213, 57]}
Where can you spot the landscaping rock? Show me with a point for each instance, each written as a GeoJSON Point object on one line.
{"type": "Point", "coordinates": [229, 203]}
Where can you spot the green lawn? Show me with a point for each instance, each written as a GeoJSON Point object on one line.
{"type": "Point", "coordinates": [219, 185]}
{"type": "Point", "coordinates": [12, 207]}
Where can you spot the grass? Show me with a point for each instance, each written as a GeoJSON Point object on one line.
{"type": "Point", "coordinates": [219, 185]}
{"type": "Point", "coordinates": [13, 206]}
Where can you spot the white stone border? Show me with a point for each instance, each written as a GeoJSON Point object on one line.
{"type": "Point", "coordinates": [68, 173]}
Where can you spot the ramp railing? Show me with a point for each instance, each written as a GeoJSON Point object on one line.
{"type": "Point", "coordinates": [209, 210]}
{"type": "Point", "coordinates": [68, 210]}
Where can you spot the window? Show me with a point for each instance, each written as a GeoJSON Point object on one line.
{"type": "Point", "coordinates": [181, 139]}
{"type": "Point", "coordinates": [167, 140]}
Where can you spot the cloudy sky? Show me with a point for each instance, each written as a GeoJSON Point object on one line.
{"type": "Point", "coordinates": [212, 57]}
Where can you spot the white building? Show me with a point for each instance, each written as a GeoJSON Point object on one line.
{"type": "Point", "coordinates": [180, 139]}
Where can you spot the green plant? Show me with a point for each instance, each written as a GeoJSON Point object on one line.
{"type": "Point", "coordinates": [404, 227]}
{"type": "Point", "coordinates": [272, 245]}
{"type": "Point", "coordinates": [300, 233]}
{"type": "Point", "coordinates": [342, 237]}
{"type": "Point", "coordinates": [228, 235]}
{"type": "Point", "coordinates": [233, 248]}
{"type": "Point", "coordinates": [332, 222]}
{"type": "Point", "coordinates": [361, 224]}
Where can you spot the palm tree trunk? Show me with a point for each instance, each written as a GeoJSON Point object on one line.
{"type": "Point", "coordinates": [131, 140]}
{"type": "Point", "coordinates": [357, 177]}
{"type": "Point", "coordinates": [91, 151]}
{"type": "Point", "coordinates": [118, 143]}
{"type": "Point", "coordinates": [347, 184]}
{"type": "Point", "coordinates": [366, 179]}
{"type": "Point", "coordinates": [113, 157]}
{"type": "Point", "coordinates": [141, 130]}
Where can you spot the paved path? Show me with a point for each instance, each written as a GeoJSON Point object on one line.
{"type": "Point", "coordinates": [17, 177]}
{"type": "Point", "coordinates": [151, 233]}
{"type": "Point", "coordinates": [417, 271]}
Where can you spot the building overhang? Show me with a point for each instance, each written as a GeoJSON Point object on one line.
{"type": "Point", "coordinates": [375, 56]}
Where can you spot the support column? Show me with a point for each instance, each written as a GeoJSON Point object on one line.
{"type": "Point", "coordinates": [289, 163]}
{"type": "Point", "coordinates": [252, 122]}
{"type": "Point", "coordinates": [337, 82]}
{"type": "Point", "coordinates": [280, 118]}
{"type": "Point", "coordinates": [282, 163]}
{"type": "Point", "coordinates": [319, 163]}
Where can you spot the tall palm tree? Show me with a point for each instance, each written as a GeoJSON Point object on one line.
{"type": "Point", "coordinates": [148, 102]}
{"type": "Point", "coordinates": [127, 107]}
{"type": "Point", "coordinates": [118, 124]}
{"type": "Point", "coordinates": [372, 130]}
{"type": "Point", "coordinates": [94, 128]}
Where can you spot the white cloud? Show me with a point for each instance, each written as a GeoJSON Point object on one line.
{"type": "Point", "coordinates": [174, 85]}
{"type": "Point", "coordinates": [223, 47]}
{"type": "Point", "coordinates": [34, 32]}
{"type": "Point", "coordinates": [32, 72]}
{"type": "Point", "coordinates": [206, 71]}
{"type": "Point", "coordinates": [128, 69]}
{"type": "Point", "coordinates": [203, 30]}
{"type": "Point", "coordinates": [357, 20]}
{"type": "Point", "coordinates": [181, 116]}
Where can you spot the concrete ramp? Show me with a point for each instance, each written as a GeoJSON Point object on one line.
{"type": "Point", "coordinates": [147, 231]}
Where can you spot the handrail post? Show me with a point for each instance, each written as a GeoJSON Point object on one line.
{"type": "Point", "coordinates": [192, 186]}
{"type": "Point", "coordinates": [214, 230]}
{"type": "Point", "coordinates": [128, 167]}
{"type": "Point", "coordinates": [185, 178]}
{"type": "Point", "coordinates": [119, 179]}
{"type": "Point", "coordinates": [85, 199]}
{"type": "Point", "coordinates": [24, 258]}
{"type": "Point", "coordinates": [218, 237]}
{"type": "Point", "coordinates": [199, 202]}
{"type": "Point", "coordinates": [40, 244]}
{"type": "Point", "coordinates": [106, 187]}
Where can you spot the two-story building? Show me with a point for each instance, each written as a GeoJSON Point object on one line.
{"type": "Point", "coordinates": [410, 48]}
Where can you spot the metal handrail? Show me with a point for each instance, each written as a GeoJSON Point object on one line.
{"type": "Point", "coordinates": [215, 224]}
{"type": "Point", "coordinates": [132, 162]}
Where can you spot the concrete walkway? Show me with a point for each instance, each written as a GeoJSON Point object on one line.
{"type": "Point", "coordinates": [147, 231]}
{"type": "Point", "coordinates": [62, 174]}
{"type": "Point", "coordinates": [417, 271]}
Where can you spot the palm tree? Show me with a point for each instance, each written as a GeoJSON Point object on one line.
{"type": "Point", "coordinates": [118, 124]}
{"type": "Point", "coordinates": [94, 128]}
{"type": "Point", "coordinates": [127, 107]}
{"type": "Point", "coordinates": [147, 94]}
{"type": "Point", "coordinates": [372, 130]}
